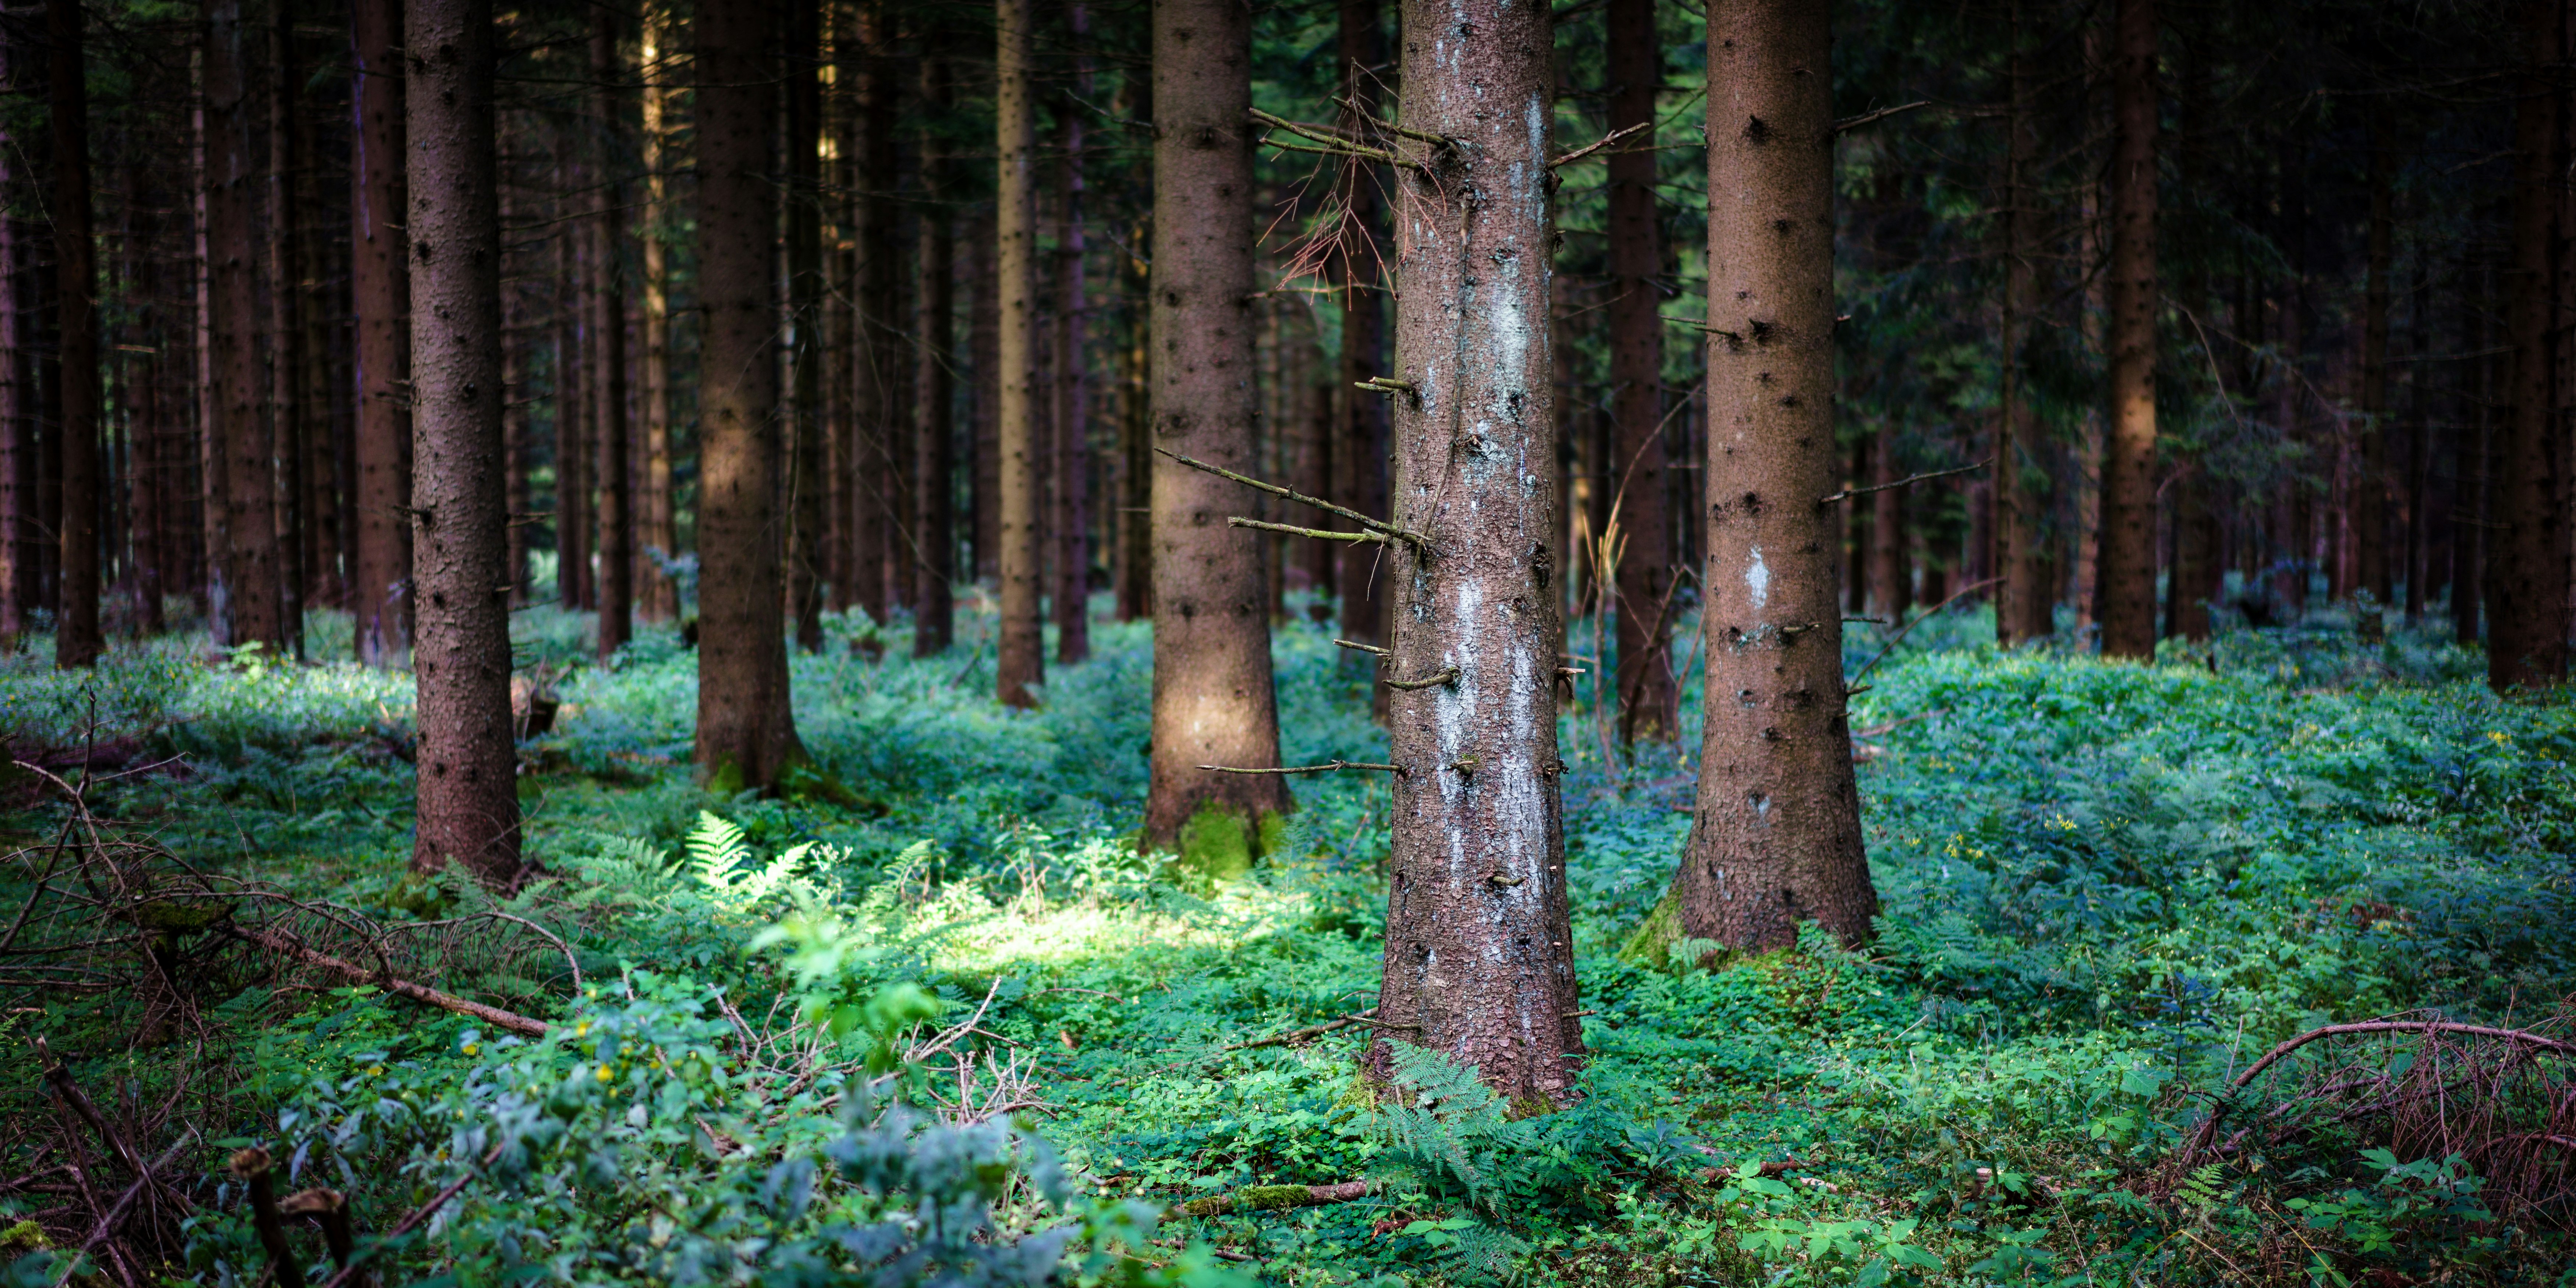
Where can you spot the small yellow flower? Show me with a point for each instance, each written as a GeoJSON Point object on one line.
{"type": "Point", "coordinates": [607, 1074]}
{"type": "Point", "coordinates": [582, 1029]}
{"type": "Point", "coordinates": [473, 1048]}
{"type": "Point", "coordinates": [2499, 737]}
{"type": "Point", "coordinates": [376, 1071]}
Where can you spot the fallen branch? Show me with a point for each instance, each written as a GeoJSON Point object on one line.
{"type": "Point", "coordinates": [491, 1015]}
{"type": "Point", "coordinates": [116, 1215]}
{"type": "Point", "coordinates": [2208, 1131]}
{"type": "Point", "coordinates": [1302, 769]}
{"type": "Point", "coordinates": [1273, 1198]}
{"type": "Point", "coordinates": [60, 1075]}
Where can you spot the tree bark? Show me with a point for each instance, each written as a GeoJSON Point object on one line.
{"type": "Point", "coordinates": [77, 641]}
{"type": "Point", "coordinates": [1649, 697]}
{"type": "Point", "coordinates": [291, 420]}
{"type": "Point", "coordinates": [984, 401]}
{"type": "Point", "coordinates": [1072, 371]}
{"type": "Point", "coordinates": [1361, 456]}
{"type": "Point", "coordinates": [2473, 459]}
{"type": "Point", "coordinates": [659, 597]}
{"type": "Point", "coordinates": [1890, 578]}
{"type": "Point", "coordinates": [804, 318]}
{"type": "Point", "coordinates": [469, 802]}
{"type": "Point", "coordinates": [746, 732]}
{"type": "Point", "coordinates": [608, 350]}
{"type": "Point", "coordinates": [1022, 657]}
{"type": "Point", "coordinates": [1213, 699]}
{"type": "Point", "coordinates": [379, 286]}
{"type": "Point", "coordinates": [17, 378]}
{"type": "Point", "coordinates": [1777, 839]}
{"type": "Point", "coordinates": [883, 545]}
{"type": "Point", "coordinates": [2371, 570]}
{"type": "Point", "coordinates": [233, 247]}
{"type": "Point", "coordinates": [2026, 601]}
{"type": "Point", "coordinates": [572, 403]}
{"type": "Point", "coordinates": [2125, 593]}
{"type": "Point", "coordinates": [2419, 439]}
{"type": "Point", "coordinates": [934, 453]}
{"type": "Point", "coordinates": [2527, 576]}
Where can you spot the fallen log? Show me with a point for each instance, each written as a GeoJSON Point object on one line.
{"type": "Point", "coordinates": [1273, 1198]}
{"type": "Point", "coordinates": [423, 993]}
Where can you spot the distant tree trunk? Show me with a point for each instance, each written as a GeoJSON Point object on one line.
{"type": "Point", "coordinates": [1361, 456]}
{"type": "Point", "coordinates": [746, 731]}
{"type": "Point", "coordinates": [1890, 576]}
{"type": "Point", "coordinates": [1478, 964]}
{"type": "Point", "coordinates": [659, 599]}
{"type": "Point", "coordinates": [2527, 576]}
{"type": "Point", "coordinates": [608, 341]}
{"type": "Point", "coordinates": [804, 308]}
{"type": "Point", "coordinates": [2025, 604]}
{"type": "Point", "coordinates": [934, 451]}
{"type": "Point", "coordinates": [1777, 839]}
{"type": "Point", "coordinates": [1021, 655]}
{"type": "Point", "coordinates": [1213, 700]}
{"type": "Point", "coordinates": [572, 402]}
{"type": "Point", "coordinates": [17, 375]}
{"type": "Point", "coordinates": [233, 247]}
{"type": "Point", "coordinates": [469, 796]}
{"type": "Point", "coordinates": [2125, 595]}
{"type": "Point", "coordinates": [2371, 570]}
{"type": "Point", "coordinates": [290, 420]}
{"type": "Point", "coordinates": [516, 431]}
{"type": "Point", "coordinates": [77, 641]}
{"type": "Point", "coordinates": [319, 308]}
{"type": "Point", "coordinates": [2419, 438]}
{"type": "Point", "coordinates": [1072, 372]}
{"type": "Point", "coordinates": [1648, 693]}
{"type": "Point", "coordinates": [213, 538]}
{"type": "Point", "coordinates": [984, 399]}
{"type": "Point", "coordinates": [877, 496]}
{"type": "Point", "coordinates": [2473, 460]}
{"type": "Point", "coordinates": [379, 287]}
{"type": "Point", "coordinates": [1136, 443]}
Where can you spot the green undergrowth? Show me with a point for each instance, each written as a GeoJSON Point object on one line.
{"type": "Point", "coordinates": [2106, 888]}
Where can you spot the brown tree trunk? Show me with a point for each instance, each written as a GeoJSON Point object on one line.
{"type": "Point", "coordinates": [804, 307]}
{"type": "Point", "coordinates": [877, 495]}
{"type": "Point", "coordinates": [608, 351]}
{"type": "Point", "coordinates": [2025, 603]}
{"type": "Point", "coordinates": [1777, 840]}
{"type": "Point", "coordinates": [233, 247]}
{"type": "Point", "coordinates": [1021, 655]}
{"type": "Point", "coordinates": [1478, 964]}
{"type": "Point", "coordinates": [2371, 570]}
{"type": "Point", "coordinates": [1213, 700]}
{"type": "Point", "coordinates": [1649, 696]}
{"type": "Point", "coordinates": [76, 633]}
{"type": "Point", "coordinates": [17, 404]}
{"type": "Point", "coordinates": [379, 287]}
{"type": "Point", "coordinates": [659, 597]}
{"type": "Point", "coordinates": [469, 801]}
{"type": "Point", "coordinates": [572, 402]}
{"type": "Point", "coordinates": [1072, 370]}
{"type": "Point", "coordinates": [291, 419]}
{"type": "Point", "coordinates": [934, 616]}
{"type": "Point", "coordinates": [516, 430]}
{"type": "Point", "coordinates": [1136, 443]}
{"type": "Point", "coordinates": [2527, 576]}
{"type": "Point", "coordinates": [746, 732]}
{"type": "Point", "coordinates": [2417, 560]}
{"type": "Point", "coordinates": [1890, 578]}
{"type": "Point", "coordinates": [2473, 460]}
{"type": "Point", "coordinates": [984, 362]}
{"type": "Point", "coordinates": [2125, 587]}
{"type": "Point", "coordinates": [1361, 457]}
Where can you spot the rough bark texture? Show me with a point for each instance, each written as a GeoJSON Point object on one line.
{"type": "Point", "coordinates": [76, 634]}
{"type": "Point", "coordinates": [572, 395]}
{"type": "Point", "coordinates": [746, 733]}
{"type": "Point", "coordinates": [469, 801]}
{"type": "Point", "coordinates": [616, 508]}
{"type": "Point", "coordinates": [1777, 839]}
{"type": "Point", "coordinates": [1213, 700]}
{"type": "Point", "coordinates": [2026, 598]}
{"type": "Point", "coordinates": [1022, 654]}
{"type": "Point", "coordinates": [934, 453]}
{"type": "Point", "coordinates": [1477, 964]}
{"type": "Point", "coordinates": [233, 250]}
{"type": "Point", "coordinates": [2526, 557]}
{"type": "Point", "coordinates": [1649, 697]}
{"type": "Point", "coordinates": [2125, 586]}
{"type": "Point", "coordinates": [1072, 591]}
{"type": "Point", "coordinates": [805, 487]}
{"type": "Point", "coordinates": [884, 425]}
{"type": "Point", "coordinates": [291, 420]}
{"type": "Point", "coordinates": [658, 599]}
{"type": "Point", "coordinates": [1361, 456]}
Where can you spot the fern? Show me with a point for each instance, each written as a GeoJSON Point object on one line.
{"type": "Point", "coordinates": [2200, 1188]}
{"type": "Point", "coordinates": [715, 845]}
{"type": "Point", "coordinates": [1455, 1126]}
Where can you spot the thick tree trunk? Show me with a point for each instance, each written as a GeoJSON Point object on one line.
{"type": "Point", "coordinates": [233, 247]}
{"type": "Point", "coordinates": [659, 597]}
{"type": "Point", "coordinates": [1361, 456]}
{"type": "Point", "coordinates": [76, 633]}
{"type": "Point", "coordinates": [469, 801]}
{"type": "Point", "coordinates": [2371, 571]}
{"type": "Point", "coordinates": [804, 321]}
{"type": "Point", "coordinates": [2125, 589]}
{"type": "Point", "coordinates": [379, 287]}
{"type": "Point", "coordinates": [1213, 700]}
{"type": "Point", "coordinates": [746, 732]}
{"type": "Point", "coordinates": [934, 617]}
{"type": "Point", "coordinates": [291, 419]}
{"type": "Point", "coordinates": [1022, 655]}
{"type": "Point", "coordinates": [1478, 964]}
{"type": "Point", "coordinates": [1777, 840]}
{"type": "Point", "coordinates": [878, 497]}
{"type": "Point", "coordinates": [608, 351]}
{"type": "Point", "coordinates": [1072, 370]}
{"type": "Point", "coordinates": [2026, 601]}
{"type": "Point", "coordinates": [2527, 575]}
{"type": "Point", "coordinates": [1649, 697]}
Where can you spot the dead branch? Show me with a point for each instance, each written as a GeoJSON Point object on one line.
{"type": "Point", "coordinates": [1302, 769]}
{"type": "Point", "coordinates": [1273, 1198]}
{"type": "Point", "coordinates": [1373, 525]}
{"type": "Point", "coordinates": [1598, 144]}
{"type": "Point", "coordinates": [1848, 493]}
{"type": "Point", "coordinates": [491, 1015]}
{"type": "Point", "coordinates": [1928, 614]}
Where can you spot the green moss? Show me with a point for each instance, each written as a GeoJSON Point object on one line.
{"type": "Point", "coordinates": [1218, 844]}
{"type": "Point", "coordinates": [1651, 943]}
{"type": "Point", "coordinates": [724, 781]}
{"type": "Point", "coordinates": [24, 1237]}
{"type": "Point", "coordinates": [1251, 1198]}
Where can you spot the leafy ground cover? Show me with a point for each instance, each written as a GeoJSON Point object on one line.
{"type": "Point", "coordinates": [963, 1029]}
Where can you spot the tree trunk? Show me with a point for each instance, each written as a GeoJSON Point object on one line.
{"type": "Point", "coordinates": [804, 317]}
{"type": "Point", "coordinates": [232, 228]}
{"type": "Point", "coordinates": [290, 419]}
{"type": "Point", "coordinates": [1136, 442]}
{"type": "Point", "coordinates": [1361, 456]}
{"type": "Point", "coordinates": [379, 288]}
{"type": "Point", "coordinates": [746, 732]}
{"type": "Point", "coordinates": [2025, 605]}
{"type": "Point", "coordinates": [2473, 461]}
{"type": "Point", "coordinates": [1022, 658]}
{"type": "Point", "coordinates": [1213, 700]}
{"type": "Point", "coordinates": [2371, 570]}
{"type": "Point", "coordinates": [1890, 578]}
{"type": "Point", "coordinates": [1777, 840]}
{"type": "Point", "coordinates": [984, 401]}
{"type": "Point", "coordinates": [469, 802]}
{"type": "Point", "coordinates": [1477, 965]}
{"type": "Point", "coordinates": [1072, 371]}
{"type": "Point", "coordinates": [572, 396]}
{"type": "Point", "coordinates": [882, 547]}
{"type": "Point", "coordinates": [2125, 589]}
{"type": "Point", "coordinates": [17, 374]}
{"type": "Point", "coordinates": [659, 597]}
{"type": "Point", "coordinates": [934, 617]}
{"type": "Point", "coordinates": [2527, 578]}
{"type": "Point", "coordinates": [1648, 695]}
{"type": "Point", "coordinates": [76, 633]}
{"type": "Point", "coordinates": [2419, 438]}
{"type": "Point", "coordinates": [608, 351]}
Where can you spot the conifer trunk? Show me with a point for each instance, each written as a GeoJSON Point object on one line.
{"type": "Point", "coordinates": [1777, 837]}
{"type": "Point", "coordinates": [1213, 700]}
{"type": "Point", "coordinates": [805, 315]}
{"type": "Point", "coordinates": [2125, 579]}
{"type": "Point", "coordinates": [76, 631]}
{"type": "Point", "coordinates": [1361, 456]}
{"type": "Point", "coordinates": [2526, 557]}
{"type": "Point", "coordinates": [934, 448]}
{"type": "Point", "coordinates": [658, 600]}
{"type": "Point", "coordinates": [469, 802]}
{"type": "Point", "coordinates": [572, 394]}
{"type": "Point", "coordinates": [1072, 592]}
{"type": "Point", "coordinates": [1477, 959]}
{"type": "Point", "coordinates": [379, 287]}
{"type": "Point", "coordinates": [608, 348]}
{"type": "Point", "coordinates": [2371, 571]}
{"type": "Point", "coordinates": [233, 249]}
{"type": "Point", "coordinates": [1022, 656]}
{"type": "Point", "coordinates": [291, 421]}
{"type": "Point", "coordinates": [17, 373]}
{"type": "Point", "coordinates": [2025, 601]}
{"type": "Point", "coordinates": [746, 733]}
{"type": "Point", "coordinates": [1649, 697]}
{"type": "Point", "coordinates": [878, 497]}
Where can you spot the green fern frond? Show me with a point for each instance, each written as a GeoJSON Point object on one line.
{"type": "Point", "coordinates": [715, 845]}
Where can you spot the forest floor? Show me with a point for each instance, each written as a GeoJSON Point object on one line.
{"type": "Point", "coordinates": [2108, 889]}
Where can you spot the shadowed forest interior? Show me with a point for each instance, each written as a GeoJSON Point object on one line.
{"type": "Point", "coordinates": [1170, 642]}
